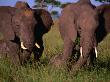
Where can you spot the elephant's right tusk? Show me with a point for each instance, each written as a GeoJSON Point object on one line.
{"type": "Point", "coordinates": [96, 52]}
{"type": "Point", "coordinates": [22, 46]}
{"type": "Point", "coordinates": [37, 45]}
{"type": "Point", "coordinates": [81, 51]}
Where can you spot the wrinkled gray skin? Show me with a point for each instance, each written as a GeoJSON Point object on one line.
{"type": "Point", "coordinates": [16, 25]}
{"type": "Point", "coordinates": [44, 23]}
{"type": "Point", "coordinates": [81, 19]}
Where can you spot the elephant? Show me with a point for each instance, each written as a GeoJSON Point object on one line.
{"type": "Point", "coordinates": [77, 19]}
{"type": "Point", "coordinates": [103, 27]}
{"type": "Point", "coordinates": [44, 23]}
{"type": "Point", "coordinates": [17, 28]}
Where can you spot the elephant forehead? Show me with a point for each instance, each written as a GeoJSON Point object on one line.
{"type": "Point", "coordinates": [28, 13]}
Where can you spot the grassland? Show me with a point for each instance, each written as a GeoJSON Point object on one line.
{"type": "Point", "coordinates": [45, 73]}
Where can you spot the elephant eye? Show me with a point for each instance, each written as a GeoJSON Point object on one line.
{"type": "Point", "coordinates": [17, 26]}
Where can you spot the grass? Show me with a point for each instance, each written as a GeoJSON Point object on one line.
{"type": "Point", "coordinates": [45, 73]}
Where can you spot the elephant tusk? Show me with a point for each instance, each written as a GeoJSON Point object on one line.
{"type": "Point", "coordinates": [37, 45]}
{"type": "Point", "coordinates": [22, 46]}
{"type": "Point", "coordinates": [81, 51]}
{"type": "Point", "coordinates": [96, 52]}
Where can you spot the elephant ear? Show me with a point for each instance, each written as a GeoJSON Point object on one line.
{"type": "Point", "coordinates": [6, 28]}
{"type": "Point", "coordinates": [104, 25]}
{"type": "Point", "coordinates": [106, 15]}
{"type": "Point", "coordinates": [46, 19]}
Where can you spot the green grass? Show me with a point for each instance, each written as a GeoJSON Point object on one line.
{"type": "Point", "coordinates": [45, 73]}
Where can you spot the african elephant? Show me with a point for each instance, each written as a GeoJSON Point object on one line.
{"type": "Point", "coordinates": [17, 28]}
{"type": "Point", "coordinates": [103, 27]}
{"type": "Point", "coordinates": [77, 19]}
{"type": "Point", "coordinates": [44, 23]}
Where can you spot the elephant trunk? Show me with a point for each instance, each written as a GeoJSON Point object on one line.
{"type": "Point", "coordinates": [87, 45]}
{"type": "Point", "coordinates": [27, 38]}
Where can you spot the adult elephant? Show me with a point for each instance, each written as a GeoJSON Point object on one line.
{"type": "Point", "coordinates": [103, 27]}
{"type": "Point", "coordinates": [16, 32]}
{"type": "Point", "coordinates": [78, 19]}
{"type": "Point", "coordinates": [44, 23]}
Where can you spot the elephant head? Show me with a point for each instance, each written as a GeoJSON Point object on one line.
{"type": "Point", "coordinates": [26, 27]}
{"type": "Point", "coordinates": [44, 23]}
{"type": "Point", "coordinates": [43, 18]}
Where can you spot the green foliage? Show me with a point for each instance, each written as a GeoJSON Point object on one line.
{"type": "Point", "coordinates": [49, 2]}
{"type": "Point", "coordinates": [54, 12]}
{"type": "Point", "coordinates": [43, 72]}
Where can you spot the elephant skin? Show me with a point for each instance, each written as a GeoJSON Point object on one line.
{"type": "Point", "coordinates": [16, 26]}
{"type": "Point", "coordinates": [77, 19]}
{"type": "Point", "coordinates": [10, 50]}
{"type": "Point", "coordinates": [44, 23]}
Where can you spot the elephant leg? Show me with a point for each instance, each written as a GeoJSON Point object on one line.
{"type": "Point", "coordinates": [37, 52]}
{"type": "Point", "coordinates": [81, 62]}
{"type": "Point", "coordinates": [13, 51]}
{"type": "Point", "coordinates": [62, 60]}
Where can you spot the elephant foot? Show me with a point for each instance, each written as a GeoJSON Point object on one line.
{"type": "Point", "coordinates": [58, 61]}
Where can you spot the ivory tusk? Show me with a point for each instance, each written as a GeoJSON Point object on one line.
{"type": "Point", "coordinates": [81, 51]}
{"type": "Point", "coordinates": [96, 52]}
{"type": "Point", "coordinates": [22, 46]}
{"type": "Point", "coordinates": [37, 45]}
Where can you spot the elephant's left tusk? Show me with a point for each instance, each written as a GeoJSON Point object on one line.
{"type": "Point", "coordinates": [96, 51]}
{"type": "Point", "coordinates": [81, 51]}
{"type": "Point", "coordinates": [22, 46]}
{"type": "Point", "coordinates": [37, 45]}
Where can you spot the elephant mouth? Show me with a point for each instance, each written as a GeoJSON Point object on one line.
{"type": "Point", "coordinates": [24, 48]}
{"type": "Point", "coordinates": [81, 51]}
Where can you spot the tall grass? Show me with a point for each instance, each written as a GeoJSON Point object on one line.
{"type": "Point", "coordinates": [42, 72]}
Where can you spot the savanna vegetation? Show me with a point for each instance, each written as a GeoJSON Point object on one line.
{"type": "Point", "coordinates": [43, 72]}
